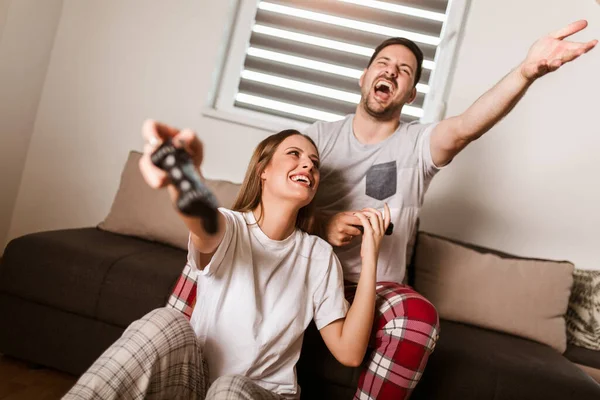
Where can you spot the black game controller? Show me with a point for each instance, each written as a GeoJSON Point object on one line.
{"type": "Point", "coordinates": [194, 198]}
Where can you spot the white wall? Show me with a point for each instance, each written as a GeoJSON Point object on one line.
{"type": "Point", "coordinates": [527, 188]}
{"type": "Point", "coordinates": [27, 30]}
{"type": "Point", "coordinates": [530, 186]}
{"type": "Point", "coordinates": [4, 4]}
{"type": "Point", "coordinates": [114, 64]}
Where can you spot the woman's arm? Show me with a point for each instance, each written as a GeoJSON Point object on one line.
{"type": "Point", "coordinates": [347, 338]}
{"type": "Point", "coordinates": [204, 242]}
{"type": "Point", "coordinates": [154, 134]}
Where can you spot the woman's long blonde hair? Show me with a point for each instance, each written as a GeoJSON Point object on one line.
{"type": "Point", "coordinates": [250, 194]}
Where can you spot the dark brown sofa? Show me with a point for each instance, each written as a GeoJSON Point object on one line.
{"type": "Point", "coordinates": [66, 295]}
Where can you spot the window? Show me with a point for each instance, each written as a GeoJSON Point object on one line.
{"type": "Point", "coordinates": [292, 62]}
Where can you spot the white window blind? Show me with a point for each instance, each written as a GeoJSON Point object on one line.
{"type": "Point", "coordinates": [302, 58]}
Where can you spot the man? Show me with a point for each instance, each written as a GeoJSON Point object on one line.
{"type": "Point", "coordinates": [370, 158]}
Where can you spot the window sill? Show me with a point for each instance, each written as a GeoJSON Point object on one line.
{"type": "Point", "coordinates": [254, 119]}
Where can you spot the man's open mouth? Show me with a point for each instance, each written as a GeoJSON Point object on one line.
{"type": "Point", "coordinates": [384, 89]}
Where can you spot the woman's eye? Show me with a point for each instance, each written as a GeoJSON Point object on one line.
{"type": "Point", "coordinates": [294, 152]}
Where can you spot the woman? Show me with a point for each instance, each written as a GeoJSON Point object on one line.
{"type": "Point", "coordinates": [261, 280]}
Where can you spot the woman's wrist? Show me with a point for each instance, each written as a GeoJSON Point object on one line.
{"type": "Point", "coordinates": [369, 263]}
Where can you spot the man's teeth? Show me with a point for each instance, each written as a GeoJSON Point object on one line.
{"type": "Point", "coordinates": [383, 83]}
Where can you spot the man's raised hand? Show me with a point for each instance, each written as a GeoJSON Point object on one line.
{"type": "Point", "coordinates": [552, 51]}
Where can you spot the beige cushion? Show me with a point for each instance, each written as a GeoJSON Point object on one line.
{"type": "Point", "coordinates": [143, 212]}
{"type": "Point", "coordinates": [524, 297]}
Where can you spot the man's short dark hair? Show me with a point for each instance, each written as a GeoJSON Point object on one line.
{"type": "Point", "coordinates": [409, 44]}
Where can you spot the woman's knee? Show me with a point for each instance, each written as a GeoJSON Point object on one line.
{"type": "Point", "coordinates": [225, 387]}
{"type": "Point", "coordinates": [164, 325]}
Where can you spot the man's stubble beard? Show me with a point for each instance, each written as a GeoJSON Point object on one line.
{"type": "Point", "coordinates": [392, 111]}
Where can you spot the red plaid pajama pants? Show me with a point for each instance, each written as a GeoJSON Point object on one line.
{"type": "Point", "coordinates": [405, 331]}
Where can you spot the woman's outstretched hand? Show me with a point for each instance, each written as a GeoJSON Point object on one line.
{"type": "Point", "coordinates": [154, 133]}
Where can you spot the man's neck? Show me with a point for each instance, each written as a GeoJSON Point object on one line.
{"type": "Point", "coordinates": [277, 221]}
{"type": "Point", "coordinates": [369, 130]}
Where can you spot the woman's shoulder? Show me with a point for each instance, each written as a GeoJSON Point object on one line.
{"type": "Point", "coordinates": [314, 247]}
{"type": "Point", "coordinates": [233, 215]}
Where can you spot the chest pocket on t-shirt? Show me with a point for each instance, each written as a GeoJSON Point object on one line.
{"type": "Point", "coordinates": [381, 180]}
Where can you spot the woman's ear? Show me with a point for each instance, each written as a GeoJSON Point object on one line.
{"type": "Point", "coordinates": [263, 175]}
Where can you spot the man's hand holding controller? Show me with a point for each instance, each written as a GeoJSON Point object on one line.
{"type": "Point", "coordinates": [341, 228]}
{"type": "Point", "coordinates": [174, 157]}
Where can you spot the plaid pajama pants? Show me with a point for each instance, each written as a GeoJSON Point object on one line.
{"type": "Point", "coordinates": [159, 357]}
{"type": "Point", "coordinates": [405, 331]}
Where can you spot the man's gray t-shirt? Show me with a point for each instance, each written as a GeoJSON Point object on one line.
{"type": "Point", "coordinates": [396, 171]}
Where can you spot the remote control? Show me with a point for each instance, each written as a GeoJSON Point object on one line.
{"type": "Point", "coordinates": [388, 231]}
{"type": "Point", "coordinates": [194, 198]}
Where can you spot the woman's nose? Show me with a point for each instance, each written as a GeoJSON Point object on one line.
{"type": "Point", "coordinates": [308, 164]}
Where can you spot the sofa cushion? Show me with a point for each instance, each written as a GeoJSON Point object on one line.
{"type": "Point", "coordinates": [140, 211]}
{"type": "Point", "coordinates": [143, 281]}
{"type": "Point", "coordinates": [92, 273]}
{"type": "Point", "coordinates": [524, 297]}
{"type": "Point", "coordinates": [476, 363]}
{"type": "Point", "coordinates": [583, 316]}
{"type": "Point", "coordinates": [468, 363]}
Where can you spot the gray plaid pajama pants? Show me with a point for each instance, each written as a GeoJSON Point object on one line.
{"type": "Point", "coordinates": [159, 357]}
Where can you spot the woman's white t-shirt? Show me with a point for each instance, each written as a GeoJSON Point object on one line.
{"type": "Point", "coordinates": [257, 296]}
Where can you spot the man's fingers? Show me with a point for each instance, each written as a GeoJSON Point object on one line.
{"type": "Point", "coordinates": [590, 45]}
{"type": "Point", "coordinates": [582, 47]}
{"type": "Point", "coordinates": [570, 29]}
{"type": "Point", "coordinates": [348, 218]}
{"type": "Point", "coordinates": [351, 230]}
{"type": "Point", "coordinates": [345, 241]}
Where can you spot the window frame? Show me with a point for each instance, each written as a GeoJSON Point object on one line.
{"type": "Point", "coordinates": [221, 102]}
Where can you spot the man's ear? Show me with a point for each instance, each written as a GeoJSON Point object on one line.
{"type": "Point", "coordinates": [361, 79]}
{"type": "Point", "coordinates": [413, 95]}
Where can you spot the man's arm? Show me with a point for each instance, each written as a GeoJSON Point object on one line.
{"type": "Point", "coordinates": [548, 54]}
